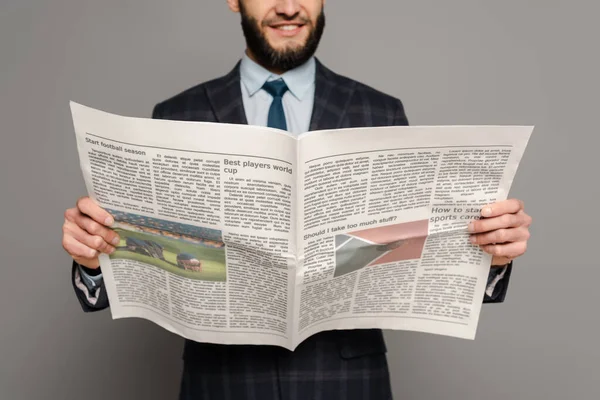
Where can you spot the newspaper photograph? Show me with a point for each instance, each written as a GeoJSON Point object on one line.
{"type": "Point", "coordinates": [238, 234]}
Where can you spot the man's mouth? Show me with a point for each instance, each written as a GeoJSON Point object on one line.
{"type": "Point", "coordinates": [287, 29]}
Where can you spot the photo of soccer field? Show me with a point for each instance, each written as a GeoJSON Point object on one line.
{"type": "Point", "coordinates": [178, 256]}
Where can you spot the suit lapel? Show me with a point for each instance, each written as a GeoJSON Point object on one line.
{"type": "Point", "coordinates": [225, 97]}
{"type": "Point", "coordinates": [332, 97]}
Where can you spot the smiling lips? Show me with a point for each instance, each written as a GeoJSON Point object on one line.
{"type": "Point", "coordinates": [287, 29]}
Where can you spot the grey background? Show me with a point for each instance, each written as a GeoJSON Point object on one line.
{"type": "Point", "coordinates": [451, 62]}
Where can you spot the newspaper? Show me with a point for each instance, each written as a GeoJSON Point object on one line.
{"type": "Point", "coordinates": [239, 234]}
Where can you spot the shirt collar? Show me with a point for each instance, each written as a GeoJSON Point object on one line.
{"type": "Point", "coordinates": [298, 80]}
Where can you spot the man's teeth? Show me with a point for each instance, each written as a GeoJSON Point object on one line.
{"type": "Point", "coordinates": [287, 27]}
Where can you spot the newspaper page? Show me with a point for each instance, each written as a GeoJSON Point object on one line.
{"type": "Point", "coordinates": [237, 234]}
{"type": "Point", "coordinates": [206, 217]}
{"type": "Point", "coordinates": [383, 216]}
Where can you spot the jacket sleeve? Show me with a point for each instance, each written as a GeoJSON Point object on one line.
{"type": "Point", "coordinates": [90, 289]}
{"type": "Point", "coordinates": [497, 284]}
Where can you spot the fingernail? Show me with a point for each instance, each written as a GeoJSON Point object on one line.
{"type": "Point", "coordinates": [486, 212]}
{"type": "Point", "coordinates": [116, 240]}
{"type": "Point", "coordinates": [473, 239]}
{"type": "Point", "coordinates": [109, 221]}
{"type": "Point", "coordinates": [92, 253]}
{"type": "Point", "coordinates": [111, 250]}
{"type": "Point", "coordinates": [471, 227]}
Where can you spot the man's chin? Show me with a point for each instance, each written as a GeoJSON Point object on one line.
{"type": "Point", "coordinates": [289, 48]}
{"type": "Point", "coordinates": [284, 44]}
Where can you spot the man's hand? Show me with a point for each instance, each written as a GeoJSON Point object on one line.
{"type": "Point", "coordinates": [86, 233]}
{"type": "Point", "coordinates": [503, 231]}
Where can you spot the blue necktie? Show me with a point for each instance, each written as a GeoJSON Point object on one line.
{"type": "Point", "coordinates": [276, 115]}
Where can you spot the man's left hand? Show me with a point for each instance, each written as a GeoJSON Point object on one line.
{"type": "Point", "coordinates": [503, 231]}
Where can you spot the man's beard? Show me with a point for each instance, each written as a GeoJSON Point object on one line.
{"type": "Point", "coordinates": [287, 58]}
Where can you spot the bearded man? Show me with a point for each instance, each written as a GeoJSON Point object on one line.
{"type": "Point", "coordinates": [279, 83]}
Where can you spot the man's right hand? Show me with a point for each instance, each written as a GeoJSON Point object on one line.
{"type": "Point", "coordinates": [86, 233]}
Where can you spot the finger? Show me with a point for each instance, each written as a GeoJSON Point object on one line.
{"type": "Point", "coordinates": [509, 250]}
{"type": "Point", "coordinates": [88, 207]}
{"type": "Point", "coordinates": [92, 227]}
{"type": "Point", "coordinates": [73, 248]}
{"type": "Point", "coordinates": [77, 249]}
{"type": "Point", "coordinates": [92, 241]}
{"type": "Point", "coordinates": [510, 206]}
{"type": "Point", "coordinates": [501, 222]}
{"type": "Point", "coordinates": [526, 218]}
{"type": "Point", "coordinates": [501, 236]}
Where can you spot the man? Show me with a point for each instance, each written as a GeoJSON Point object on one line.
{"type": "Point", "coordinates": [279, 83]}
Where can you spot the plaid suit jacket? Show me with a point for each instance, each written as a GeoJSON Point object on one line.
{"type": "Point", "coordinates": [341, 364]}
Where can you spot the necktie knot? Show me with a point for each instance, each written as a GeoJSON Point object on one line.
{"type": "Point", "coordinates": [276, 88]}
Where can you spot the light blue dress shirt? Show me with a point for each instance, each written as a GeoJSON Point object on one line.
{"type": "Point", "coordinates": [91, 282]}
{"type": "Point", "coordinates": [298, 101]}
